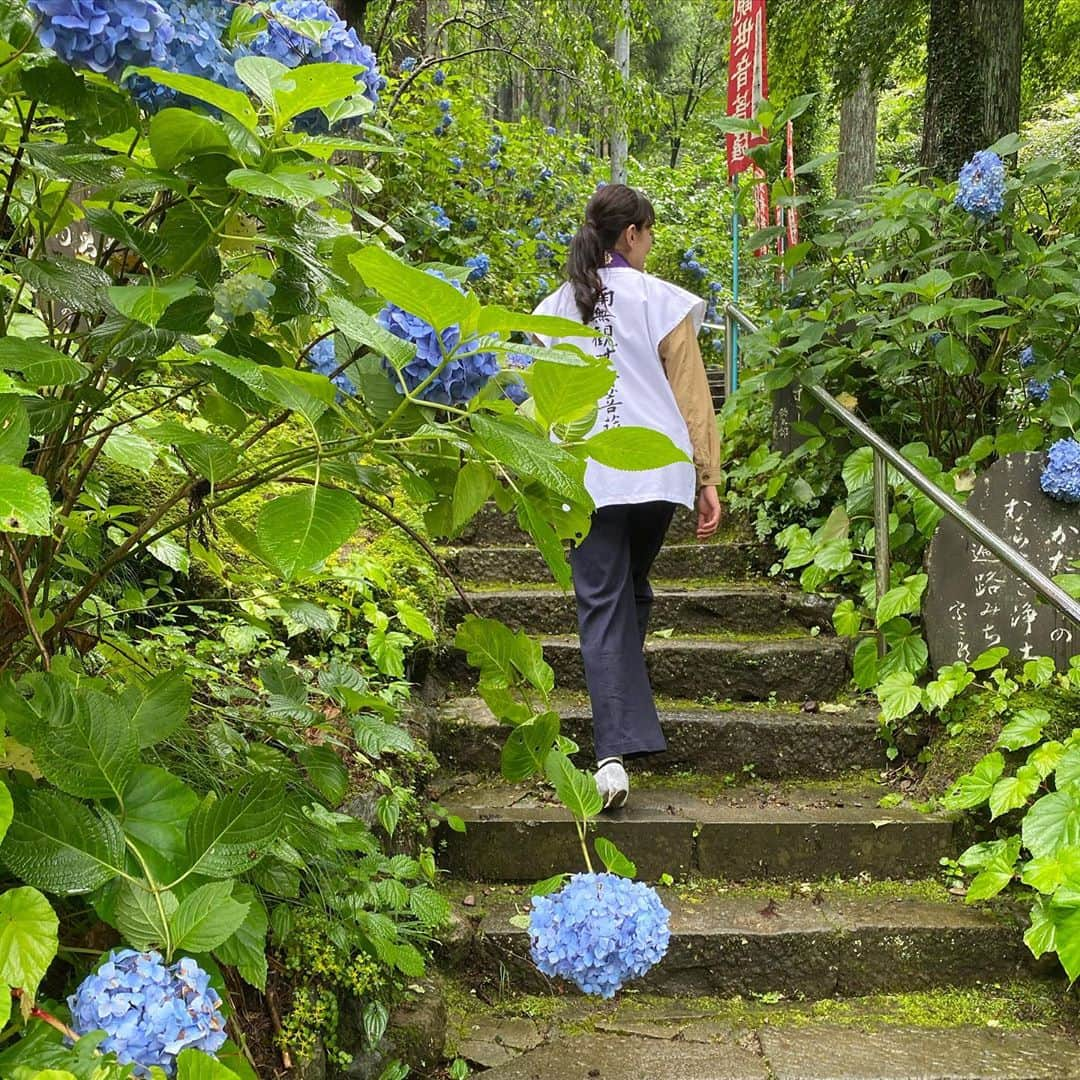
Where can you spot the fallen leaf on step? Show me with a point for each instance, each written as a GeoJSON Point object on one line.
{"type": "Point", "coordinates": [469, 901]}
{"type": "Point", "coordinates": [770, 910]}
{"type": "Point", "coordinates": [883, 821]}
{"type": "Point", "coordinates": [834, 707]}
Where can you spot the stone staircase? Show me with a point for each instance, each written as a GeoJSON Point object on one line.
{"type": "Point", "coordinates": [786, 880]}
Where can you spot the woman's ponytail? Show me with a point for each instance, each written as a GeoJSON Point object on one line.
{"type": "Point", "coordinates": [611, 209]}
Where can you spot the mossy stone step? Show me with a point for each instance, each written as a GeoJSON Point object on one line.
{"type": "Point", "coordinates": [745, 945]}
{"type": "Point", "coordinates": [733, 609]}
{"type": "Point", "coordinates": [698, 1051]}
{"type": "Point", "coordinates": [773, 743]}
{"type": "Point", "coordinates": [730, 559]}
{"type": "Point", "coordinates": [491, 526]}
{"type": "Point", "coordinates": [791, 668]}
{"type": "Point", "coordinates": [750, 832]}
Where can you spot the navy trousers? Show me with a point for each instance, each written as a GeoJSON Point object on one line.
{"type": "Point", "coordinates": [611, 581]}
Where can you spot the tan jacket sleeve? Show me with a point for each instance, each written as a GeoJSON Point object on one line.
{"type": "Point", "coordinates": [685, 370]}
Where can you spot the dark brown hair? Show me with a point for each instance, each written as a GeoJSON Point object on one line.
{"type": "Point", "coordinates": [611, 209]}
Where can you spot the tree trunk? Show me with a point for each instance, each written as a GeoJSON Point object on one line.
{"type": "Point", "coordinates": [418, 24]}
{"type": "Point", "coordinates": [973, 61]}
{"type": "Point", "coordinates": [858, 138]}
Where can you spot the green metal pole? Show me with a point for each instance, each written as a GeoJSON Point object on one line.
{"type": "Point", "coordinates": [733, 374]}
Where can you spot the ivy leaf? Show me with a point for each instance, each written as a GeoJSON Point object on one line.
{"type": "Point", "coordinates": [613, 859]}
{"type": "Point", "coordinates": [974, 788]}
{"type": "Point", "coordinates": [245, 949]}
{"type": "Point", "coordinates": [1052, 822]}
{"type": "Point", "coordinates": [858, 470]}
{"type": "Point", "coordinates": [1011, 792]}
{"type": "Point", "coordinates": [206, 917]}
{"type": "Point", "coordinates": [1024, 730]}
{"type": "Point", "coordinates": [865, 663]}
{"type": "Point", "coordinates": [1047, 873]}
{"type": "Point", "coordinates": [28, 938]}
{"type": "Point", "coordinates": [904, 599]}
{"type": "Point", "coordinates": [989, 658]}
{"type": "Point", "coordinates": [229, 835]}
{"type": "Point", "coordinates": [898, 695]}
{"type": "Point", "coordinates": [59, 845]}
{"type": "Point", "coordinates": [25, 506]}
{"type": "Point", "coordinates": [1046, 757]}
{"type": "Point", "coordinates": [996, 874]}
{"type": "Point", "coordinates": [846, 619]}
{"type": "Point", "coordinates": [1068, 767]}
{"type": "Point", "coordinates": [299, 531]}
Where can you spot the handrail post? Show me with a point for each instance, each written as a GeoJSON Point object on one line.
{"type": "Point", "coordinates": [729, 354]}
{"type": "Point", "coordinates": [882, 554]}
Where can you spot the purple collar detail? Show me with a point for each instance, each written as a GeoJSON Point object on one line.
{"type": "Point", "coordinates": [615, 258]}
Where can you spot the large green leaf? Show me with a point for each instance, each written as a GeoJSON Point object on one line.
{"type": "Point", "coordinates": [514, 442]}
{"type": "Point", "coordinates": [305, 392]}
{"type": "Point", "coordinates": [245, 949]}
{"type": "Point", "coordinates": [25, 506]}
{"type": "Point", "coordinates": [904, 599]}
{"type": "Point", "coordinates": [227, 836]}
{"type": "Point", "coordinates": [157, 806]}
{"type": "Point", "coordinates": [232, 102]}
{"type": "Point", "coordinates": [432, 299]}
{"type": "Point", "coordinates": [61, 846]}
{"type": "Point", "coordinates": [357, 325]}
{"type": "Point", "coordinates": [1066, 920]}
{"type": "Point", "coordinates": [488, 646]}
{"type": "Point", "coordinates": [633, 448]}
{"type": "Point", "coordinates": [1049, 872]}
{"type": "Point", "coordinates": [179, 134]}
{"type": "Point", "coordinates": [75, 283]}
{"type": "Point", "coordinates": [577, 790]}
{"type": "Point", "coordinates": [195, 1065]}
{"type": "Point", "coordinates": [1011, 792]}
{"type": "Point", "coordinates": [312, 86]}
{"type": "Point", "coordinates": [142, 916]}
{"type": "Point", "coordinates": [531, 516]}
{"type": "Point", "coordinates": [1052, 822]}
{"type": "Point", "coordinates": [209, 455]}
{"type": "Point", "coordinates": [300, 530]}
{"type": "Point", "coordinates": [28, 938]}
{"type": "Point", "coordinates": [206, 917]}
{"type": "Point", "coordinates": [91, 751]}
{"type": "Point", "coordinates": [1024, 729]}
{"type": "Point", "coordinates": [147, 303]}
{"type": "Point", "coordinates": [564, 394]}
{"type": "Point", "coordinates": [39, 364]}
{"type": "Point", "coordinates": [7, 809]}
{"type": "Point", "coordinates": [613, 859]}
{"type": "Point", "coordinates": [528, 745]}
{"type": "Point", "coordinates": [286, 185]}
{"type": "Point", "coordinates": [996, 873]}
{"type": "Point", "coordinates": [472, 488]}
{"type": "Point", "coordinates": [326, 771]}
{"type": "Point", "coordinates": [158, 707]}
{"type": "Point", "coordinates": [974, 788]}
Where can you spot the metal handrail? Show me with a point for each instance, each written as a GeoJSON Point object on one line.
{"type": "Point", "coordinates": [884, 453]}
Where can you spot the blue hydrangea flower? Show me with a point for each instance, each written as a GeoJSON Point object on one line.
{"type": "Point", "coordinates": [549, 130]}
{"type": "Point", "coordinates": [494, 164]}
{"type": "Point", "coordinates": [408, 63]}
{"type": "Point", "coordinates": [495, 146]}
{"type": "Point", "coordinates": [337, 42]}
{"type": "Point", "coordinates": [563, 238]}
{"type": "Point", "coordinates": [1027, 356]}
{"type": "Point", "coordinates": [456, 163]}
{"type": "Point", "coordinates": [546, 173]}
{"type": "Point", "coordinates": [543, 284]}
{"type": "Point", "coordinates": [438, 217]}
{"type": "Point", "coordinates": [242, 294]}
{"type": "Point", "coordinates": [585, 166]}
{"type": "Point", "coordinates": [322, 358]}
{"type": "Point", "coordinates": [479, 265]}
{"type": "Point", "coordinates": [462, 376]}
{"type": "Point", "coordinates": [439, 77]}
{"type": "Point", "coordinates": [516, 390]}
{"type": "Point", "coordinates": [445, 105]}
{"type": "Point", "coordinates": [196, 49]}
{"type": "Point", "coordinates": [104, 35]}
{"type": "Point", "coordinates": [715, 286]}
{"type": "Point", "coordinates": [1038, 390]}
{"type": "Point", "coordinates": [149, 1012]}
{"type": "Point", "coordinates": [1061, 476]}
{"type": "Point", "coordinates": [469, 224]}
{"type": "Point", "coordinates": [527, 195]}
{"type": "Point", "coordinates": [443, 126]}
{"type": "Point", "coordinates": [544, 253]}
{"type": "Point", "coordinates": [982, 186]}
{"type": "Point", "coordinates": [599, 931]}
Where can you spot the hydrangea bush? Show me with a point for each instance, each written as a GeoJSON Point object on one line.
{"type": "Point", "coordinates": [149, 1011]}
{"type": "Point", "coordinates": [1061, 476]}
{"type": "Point", "coordinates": [599, 932]}
{"type": "Point", "coordinates": [981, 187]}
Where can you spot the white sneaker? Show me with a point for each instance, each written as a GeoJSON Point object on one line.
{"type": "Point", "coordinates": [613, 783]}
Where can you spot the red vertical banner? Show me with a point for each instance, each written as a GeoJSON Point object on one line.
{"type": "Point", "coordinates": [748, 79]}
{"type": "Point", "coordinates": [792, 212]}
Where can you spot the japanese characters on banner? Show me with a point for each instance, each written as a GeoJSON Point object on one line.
{"type": "Point", "coordinates": [748, 83]}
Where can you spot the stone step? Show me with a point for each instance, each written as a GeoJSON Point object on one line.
{"type": "Point", "coordinates": [810, 948]}
{"type": "Point", "coordinates": [730, 559]}
{"type": "Point", "coordinates": [777, 743]}
{"type": "Point", "coordinates": [696, 1050]}
{"type": "Point", "coordinates": [1023, 1028]}
{"type": "Point", "coordinates": [730, 609]}
{"type": "Point", "coordinates": [750, 832]}
{"type": "Point", "coordinates": [791, 668]}
{"type": "Point", "coordinates": [492, 526]}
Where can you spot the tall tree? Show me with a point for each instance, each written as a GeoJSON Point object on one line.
{"type": "Point", "coordinates": [974, 53]}
{"type": "Point", "coordinates": [858, 137]}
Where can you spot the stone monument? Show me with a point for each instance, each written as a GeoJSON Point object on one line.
{"type": "Point", "coordinates": [974, 601]}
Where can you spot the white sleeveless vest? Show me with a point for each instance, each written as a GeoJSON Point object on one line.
{"type": "Point", "coordinates": [635, 313]}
